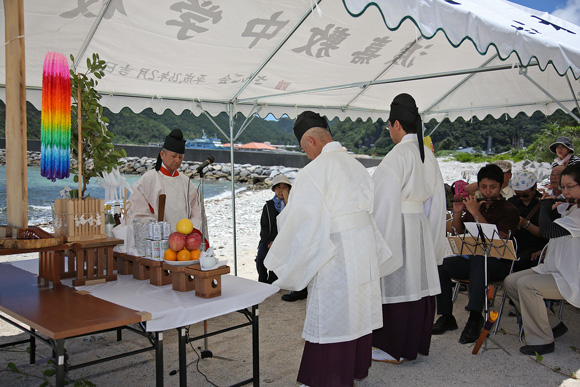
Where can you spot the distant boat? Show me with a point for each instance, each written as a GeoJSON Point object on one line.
{"type": "Point", "coordinates": [204, 143]}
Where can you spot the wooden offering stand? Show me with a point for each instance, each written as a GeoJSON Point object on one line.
{"type": "Point", "coordinates": [208, 284]}
{"type": "Point", "coordinates": [158, 275]}
{"type": "Point", "coordinates": [181, 280]}
{"type": "Point", "coordinates": [94, 261]}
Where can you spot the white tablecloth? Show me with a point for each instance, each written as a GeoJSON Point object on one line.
{"type": "Point", "coordinates": [170, 309]}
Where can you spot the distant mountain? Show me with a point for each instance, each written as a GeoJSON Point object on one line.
{"type": "Point", "coordinates": [359, 137]}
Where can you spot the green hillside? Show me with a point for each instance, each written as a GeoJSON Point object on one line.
{"type": "Point", "coordinates": [359, 137]}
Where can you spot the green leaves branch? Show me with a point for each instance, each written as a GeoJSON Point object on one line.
{"type": "Point", "coordinates": [97, 142]}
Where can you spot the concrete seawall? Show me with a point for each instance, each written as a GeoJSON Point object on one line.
{"type": "Point", "coordinates": [254, 168]}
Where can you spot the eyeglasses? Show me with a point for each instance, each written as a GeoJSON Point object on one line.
{"type": "Point", "coordinates": [388, 127]}
{"type": "Point", "coordinates": [568, 187]}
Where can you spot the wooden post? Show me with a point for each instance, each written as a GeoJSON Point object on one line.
{"type": "Point", "coordinates": [16, 163]}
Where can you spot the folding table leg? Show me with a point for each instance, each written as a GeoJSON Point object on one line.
{"type": "Point", "coordinates": [32, 347]}
{"type": "Point", "coordinates": [255, 346]}
{"type": "Point", "coordinates": [159, 359]}
{"type": "Point", "coordinates": [60, 362]}
{"type": "Point", "coordinates": [182, 357]}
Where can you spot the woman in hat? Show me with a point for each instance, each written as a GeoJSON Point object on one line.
{"type": "Point", "coordinates": [564, 149]}
{"type": "Point", "coordinates": [268, 227]}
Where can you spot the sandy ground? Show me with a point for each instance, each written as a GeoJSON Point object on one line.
{"type": "Point", "coordinates": [449, 363]}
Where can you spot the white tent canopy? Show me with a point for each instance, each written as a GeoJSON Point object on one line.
{"type": "Point", "coordinates": [458, 58]}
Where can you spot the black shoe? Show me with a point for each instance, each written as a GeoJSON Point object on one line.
{"type": "Point", "coordinates": [295, 296]}
{"type": "Point", "coordinates": [444, 324]}
{"type": "Point", "coordinates": [559, 330]}
{"type": "Point", "coordinates": [472, 330]}
{"type": "Point", "coordinates": [537, 349]}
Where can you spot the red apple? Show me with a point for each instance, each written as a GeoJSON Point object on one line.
{"type": "Point", "coordinates": [193, 242]}
{"type": "Point", "coordinates": [176, 241]}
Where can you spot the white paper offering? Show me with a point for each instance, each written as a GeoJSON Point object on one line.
{"type": "Point", "coordinates": [489, 230]}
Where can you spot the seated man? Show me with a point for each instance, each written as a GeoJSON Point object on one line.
{"type": "Point", "coordinates": [505, 216]}
{"type": "Point", "coordinates": [527, 201]}
{"type": "Point", "coordinates": [506, 190]}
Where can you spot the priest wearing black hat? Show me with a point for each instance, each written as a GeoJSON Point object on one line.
{"type": "Point", "coordinates": [410, 210]}
{"type": "Point", "coordinates": [182, 197]}
{"type": "Point", "coordinates": [327, 240]}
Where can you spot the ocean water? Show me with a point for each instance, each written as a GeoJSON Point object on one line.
{"type": "Point", "coordinates": [42, 193]}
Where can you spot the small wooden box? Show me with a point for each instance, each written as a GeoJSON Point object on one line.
{"type": "Point", "coordinates": [141, 268]}
{"type": "Point", "coordinates": [158, 275]}
{"type": "Point", "coordinates": [79, 219]}
{"type": "Point", "coordinates": [181, 280]}
{"type": "Point", "coordinates": [208, 284]}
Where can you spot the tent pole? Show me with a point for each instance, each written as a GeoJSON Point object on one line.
{"type": "Point", "coordinates": [524, 73]}
{"type": "Point", "coordinates": [572, 90]}
{"type": "Point", "coordinates": [16, 164]}
{"type": "Point", "coordinates": [232, 172]}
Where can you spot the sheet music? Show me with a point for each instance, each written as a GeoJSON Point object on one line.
{"type": "Point", "coordinates": [489, 230]}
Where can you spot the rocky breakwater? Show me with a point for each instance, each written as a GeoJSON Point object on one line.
{"type": "Point", "coordinates": [255, 175]}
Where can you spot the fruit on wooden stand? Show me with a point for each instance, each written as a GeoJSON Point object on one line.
{"type": "Point", "coordinates": [195, 254]}
{"type": "Point", "coordinates": [193, 242]}
{"type": "Point", "coordinates": [170, 255]}
{"type": "Point", "coordinates": [177, 241]}
{"type": "Point", "coordinates": [184, 226]}
{"type": "Point", "coordinates": [184, 255]}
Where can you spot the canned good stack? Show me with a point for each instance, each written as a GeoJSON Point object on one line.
{"type": "Point", "coordinates": [157, 240]}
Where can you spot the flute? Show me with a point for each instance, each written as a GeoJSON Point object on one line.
{"type": "Point", "coordinates": [482, 199]}
{"type": "Point", "coordinates": [563, 200]}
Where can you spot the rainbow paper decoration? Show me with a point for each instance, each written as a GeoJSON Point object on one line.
{"type": "Point", "coordinates": [55, 118]}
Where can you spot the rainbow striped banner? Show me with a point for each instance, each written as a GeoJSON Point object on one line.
{"type": "Point", "coordinates": [55, 119]}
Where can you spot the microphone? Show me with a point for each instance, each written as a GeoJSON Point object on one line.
{"type": "Point", "coordinates": [207, 162]}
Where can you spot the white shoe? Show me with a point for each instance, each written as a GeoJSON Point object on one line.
{"type": "Point", "coordinates": [382, 356]}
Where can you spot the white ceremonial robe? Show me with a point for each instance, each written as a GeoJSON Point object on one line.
{"type": "Point", "coordinates": [410, 212]}
{"type": "Point", "coordinates": [562, 257]}
{"type": "Point", "coordinates": [327, 239]}
{"type": "Point", "coordinates": [146, 192]}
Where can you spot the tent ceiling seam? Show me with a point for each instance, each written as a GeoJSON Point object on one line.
{"type": "Point", "coordinates": [524, 73]}
{"type": "Point", "coordinates": [459, 84]}
{"type": "Point", "coordinates": [92, 32]}
{"type": "Point", "coordinates": [273, 53]}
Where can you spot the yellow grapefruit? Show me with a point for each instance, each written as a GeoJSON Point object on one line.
{"type": "Point", "coordinates": [184, 226]}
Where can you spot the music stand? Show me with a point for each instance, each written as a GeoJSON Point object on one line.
{"type": "Point", "coordinates": [481, 244]}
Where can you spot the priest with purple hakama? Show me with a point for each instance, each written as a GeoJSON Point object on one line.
{"type": "Point", "coordinates": [328, 241]}
{"type": "Point", "coordinates": [410, 211]}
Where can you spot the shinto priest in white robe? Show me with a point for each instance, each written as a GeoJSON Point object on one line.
{"type": "Point", "coordinates": [562, 259]}
{"type": "Point", "coordinates": [328, 240]}
{"type": "Point", "coordinates": [410, 212]}
{"type": "Point", "coordinates": [182, 199]}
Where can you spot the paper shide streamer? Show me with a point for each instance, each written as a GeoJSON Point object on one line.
{"type": "Point", "coordinates": [55, 118]}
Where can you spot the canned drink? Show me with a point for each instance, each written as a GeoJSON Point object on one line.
{"type": "Point", "coordinates": [156, 250]}
{"type": "Point", "coordinates": [157, 231]}
{"type": "Point", "coordinates": [148, 248]}
{"type": "Point", "coordinates": [164, 246]}
{"type": "Point", "coordinates": [166, 226]}
{"type": "Point", "coordinates": [150, 230]}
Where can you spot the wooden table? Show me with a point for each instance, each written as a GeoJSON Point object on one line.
{"type": "Point", "coordinates": [61, 312]}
